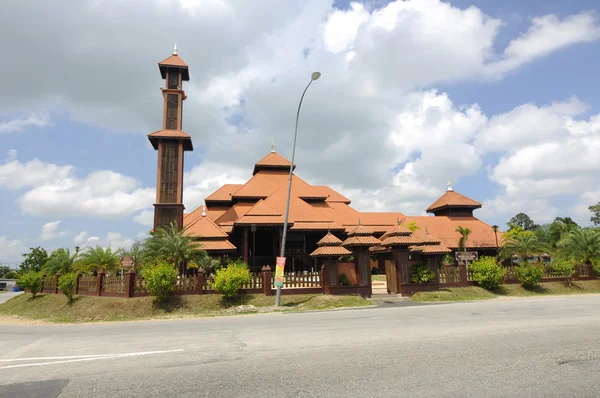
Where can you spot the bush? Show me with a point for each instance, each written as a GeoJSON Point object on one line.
{"type": "Point", "coordinates": [421, 273]}
{"type": "Point", "coordinates": [487, 273]}
{"type": "Point", "coordinates": [530, 274]}
{"type": "Point", "coordinates": [344, 280]}
{"type": "Point", "coordinates": [228, 281]}
{"type": "Point", "coordinates": [31, 281]}
{"type": "Point", "coordinates": [374, 271]}
{"type": "Point", "coordinates": [160, 279]}
{"type": "Point", "coordinates": [563, 268]}
{"type": "Point", "coordinates": [67, 283]}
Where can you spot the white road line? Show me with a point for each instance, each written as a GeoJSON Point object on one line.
{"type": "Point", "coordinates": [80, 358]}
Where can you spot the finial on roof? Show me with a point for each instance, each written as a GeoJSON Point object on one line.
{"type": "Point", "coordinates": [273, 146]}
{"type": "Point", "coordinates": [358, 220]}
{"type": "Point", "coordinates": [450, 185]}
{"type": "Point", "coordinates": [426, 231]}
{"type": "Point", "coordinates": [175, 49]}
{"type": "Point", "coordinates": [203, 211]}
{"type": "Point", "coordinates": [397, 221]}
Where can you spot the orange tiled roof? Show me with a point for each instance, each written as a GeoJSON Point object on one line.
{"type": "Point", "coordinates": [399, 240]}
{"type": "Point", "coordinates": [332, 195]}
{"type": "Point", "coordinates": [204, 227]}
{"type": "Point", "coordinates": [444, 228]}
{"type": "Point", "coordinates": [361, 240]}
{"type": "Point", "coordinates": [397, 230]}
{"type": "Point", "coordinates": [330, 251]}
{"type": "Point", "coordinates": [329, 240]}
{"type": "Point", "coordinates": [173, 60]}
{"type": "Point", "coordinates": [453, 199]}
{"type": "Point", "coordinates": [224, 193]}
{"type": "Point", "coordinates": [272, 161]}
{"type": "Point", "coordinates": [361, 230]}
{"type": "Point", "coordinates": [234, 213]}
{"type": "Point", "coordinates": [176, 134]}
{"type": "Point", "coordinates": [299, 209]}
{"type": "Point", "coordinates": [431, 249]}
{"type": "Point", "coordinates": [261, 208]}
{"type": "Point", "coordinates": [217, 245]}
{"type": "Point", "coordinates": [311, 226]}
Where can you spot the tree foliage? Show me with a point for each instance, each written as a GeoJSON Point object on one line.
{"type": "Point", "coordinates": [522, 244]}
{"type": "Point", "coordinates": [530, 274]}
{"type": "Point", "coordinates": [595, 209]}
{"type": "Point", "coordinates": [487, 273]}
{"type": "Point", "coordinates": [96, 259]}
{"type": "Point", "coordinates": [175, 246]}
{"type": "Point", "coordinates": [522, 220]}
{"type": "Point", "coordinates": [34, 260]}
{"type": "Point", "coordinates": [464, 237]}
{"type": "Point", "coordinates": [421, 273]}
{"type": "Point", "coordinates": [61, 261]}
{"type": "Point", "coordinates": [160, 279]}
{"type": "Point", "coordinates": [228, 281]}
{"type": "Point", "coordinates": [7, 272]}
{"type": "Point", "coordinates": [581, 245]}
{"type": "Point", "coordinates": [30, 280]}
{"type": "Point", "coordinates": [67, 284]}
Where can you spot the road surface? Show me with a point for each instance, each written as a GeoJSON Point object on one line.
{"type": "Point", "coordinates": [548, 347]}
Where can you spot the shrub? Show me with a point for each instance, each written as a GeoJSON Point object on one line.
{"type": "Point", "coordinates": [344, 280]}
{"type": "Point", "coordinates": [67, 283]}
{"type": "Point", "coordinates": [228, 281]}
{"type": "Point", "coordinates": [487, 273]}
{"type": "Point", "coordinates": [421, 273]}
{"type": "Point", "coordinates": [374, 271]}
{"type": "Point", "coordinates": [31, 281]}
{"type": "Point", "coordinates": [563, 268]}
{"type": "Point", "coordinates": [160, 279]}
{"type": "Point", "coordinates": [530, 274]}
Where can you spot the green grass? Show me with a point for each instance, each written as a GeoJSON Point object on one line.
{"type": "Point", "coordinates": [454, 294]}
{"type": "Point", "coordinates": [477, 293]}
{"type": "Point", "coordinates": [54, 307]}
{"type": "Point", "coordinates": [379, 278]}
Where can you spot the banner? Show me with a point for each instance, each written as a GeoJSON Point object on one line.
{"type": "Point", "coordinates": [279, 268]}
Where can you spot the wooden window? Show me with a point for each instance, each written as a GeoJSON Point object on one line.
{"type": "Point", "coordinates": [173, 78]}
{"type": "Point", "coordinates": [172, 112]}
{"type": "Point", "coordinates": [169, 177]}
{"type": "Point", "coordinates": [165, 216]}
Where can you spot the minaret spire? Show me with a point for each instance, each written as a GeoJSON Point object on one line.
{"type": "Point", "coordinates": [175, 49]}
{"type": "Point", "coordinates": [273, 146]}
{"type": "Point", "coordinates": [450, 186]}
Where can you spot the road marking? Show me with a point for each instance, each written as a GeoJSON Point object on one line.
{"type": "Point", "coordinates": [80, 358]}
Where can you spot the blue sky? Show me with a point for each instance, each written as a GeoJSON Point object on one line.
{"type": "Point", "coordinates": [83, 102]}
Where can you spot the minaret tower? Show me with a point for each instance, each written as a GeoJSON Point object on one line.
{"type": "Point", "coordinates": [171, 142]}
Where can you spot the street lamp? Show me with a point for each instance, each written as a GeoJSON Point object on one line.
{"type": "Point", "coordinates": [495, 228]}
{"type": "Point", "coordinates": [313, 77]}
{"type": "Point", "coordinates": [253, 228]}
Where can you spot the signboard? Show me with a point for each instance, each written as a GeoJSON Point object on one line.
{"type": "Point", "coordinates": [466, 256]}
{"type": "Point", "coordinates": [127, 261]}
{"type": "Point", "coordinates": [279, 267]}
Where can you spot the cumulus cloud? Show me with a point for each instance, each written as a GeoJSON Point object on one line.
{"type": "Point", "coordinates": [50, 231]}
{"type": "Point", "coordinates": [11, 251]}
{"type": "Point", "coordinates": [14, 125]}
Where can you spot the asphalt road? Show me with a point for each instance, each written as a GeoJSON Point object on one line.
{"type": "Point", "coordinates": [546, 347]}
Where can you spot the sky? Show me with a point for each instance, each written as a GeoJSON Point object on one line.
{"type": "Point", "coordinates": [499, 97]}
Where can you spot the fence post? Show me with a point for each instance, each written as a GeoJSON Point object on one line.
{"type": "Point", "coordinates": [99, 281]}
{"type": "Point", "coordinates": [324, 278]}
{"type": "Point", "coordinates": [43, 282]}
{"type": "Point", "coordinates": [462, 271]}
{"type": "Point", "coordinates": [130, 283]}
{"type": "Point", "coordinates": [267, 275]}
{"type": "Point", "coordinates": [56, 283]}
{"type": "Point", "coordinates": [200, 281]}
{"type": "Point", "coordinates": [77, 283]}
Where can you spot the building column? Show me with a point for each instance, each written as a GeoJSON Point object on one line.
{"type": "Point", "coordinates": [245, 245]}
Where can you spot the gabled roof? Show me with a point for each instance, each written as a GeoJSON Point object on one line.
{"type": "Point", "coordinates": [204, 227]}
{"type": "Point", "coordinates": [171, 134]}
{"type": "Point", "coordinates": [174, 61]}
{"type": "Point", "coordinates": [443, 227]}
{"type": "Point", "coordinates": [299, 209]}
{"type": "Point", "coordinates": [261, 208]}
{"type": "Point", "coordinates": [272, 161]}
{"type": "Point", "coordinates": [453, 199]}
{"type": "Point", "coordinates": [261, 213]}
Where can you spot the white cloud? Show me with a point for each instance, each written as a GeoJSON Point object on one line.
{"type": "Point", "coordinates": [145, 218]}
{"type": "Point", "coordinates": [11, 126]}
{"type": "Point", "coordinates": [114, 240]}
{"type": "Point", "coordinates": [50, 231]}
{"type": "Point", "coordinates": [206, 178]}
{"type": "Point", "coordinates": [16, 175]}
{"type": "Point", "coordinates": [80, 238]}
{"type": "Point", "coordinates": [11, 155]}
{"type": "Point", "coordinates": [342, 26]}
{"type": "Point", "coordinates": [11, 251]}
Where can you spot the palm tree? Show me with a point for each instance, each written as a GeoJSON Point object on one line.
{"type": "Point", "coordinates": [96, 259]}
{"type": "Point", "coordinates": [464, 236]}
{"type": "Point", "coordinates": [413, 226]}
{"type": "Point", "coordinates": [524, 245]}
{"type": "Point", "coordinates": [582, 245]}
{"type": "Point", "coordinates": [60, 261]}
{"type": "Point", "coordinates": [175, 247]}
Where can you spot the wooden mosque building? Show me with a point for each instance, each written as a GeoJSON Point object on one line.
{"type": "Point", "coordinates": [246, 220]}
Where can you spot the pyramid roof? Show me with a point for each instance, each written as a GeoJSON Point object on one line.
{"type": "Point", "coordinates": [171, 134]}
{"type": "Point", "coordinates": [453, 199]}
{"type": "Point", "coordinates": [174, 61]}
{"type": "Point", "coordinates": [272, 161]}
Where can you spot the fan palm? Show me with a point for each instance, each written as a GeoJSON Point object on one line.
{"type": "Point", "coordinates": [523, 245]}
{"type": "Point", "coordinates": [464, 236]}
{"type": "Point", "coordinates": [175, 247]}
{"type": "Point", "coordinates": [582, 245]}
{"type": "Point", "coordinates": [61, 261]}
{"type": "Point", "coordinates": [96, 259]}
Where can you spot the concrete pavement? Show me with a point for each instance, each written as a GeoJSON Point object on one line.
{"type": "Point", "coordinates": [4, 297]}
{"type": "Point", "coordinates": [499, 348]}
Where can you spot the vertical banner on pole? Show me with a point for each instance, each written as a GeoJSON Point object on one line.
{"type": "Point", "coordinates": [279, 268]}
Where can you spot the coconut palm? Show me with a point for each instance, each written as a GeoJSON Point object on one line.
{"type": "Point", "coordinates": [524, 245]}
{"type": "Point", "coordinates": [175, 247]}
{"type": "Point", "coordinates": [60, 261]}
{"type": "Point", "coordinates": [464, 236]}
{"type": "Point", "coordinates": [96, 259]}
{"type": "Point", "coordinates": [582, 245]}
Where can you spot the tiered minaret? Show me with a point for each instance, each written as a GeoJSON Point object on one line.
{"type": "Point", "coordinates": [171, 142]}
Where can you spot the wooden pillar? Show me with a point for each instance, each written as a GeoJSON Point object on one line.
{"type": "Point", "coordinates": [267, 275]}
{"type": "Point", "coordinates": [99, 281]}
{"type": "Point", "coordinates": [130, 283]}
{"type": "Point", "coordinates": [200, 281]}
{"type": "Point", "coordinates": [245, 245]}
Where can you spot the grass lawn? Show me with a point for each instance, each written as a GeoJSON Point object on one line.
{"type": "Point", "coordinates": [379, 278]}
{"type": "Point", "coordinates": [54, 307]}
{"type": "Point", "coordinates": [477, 293]}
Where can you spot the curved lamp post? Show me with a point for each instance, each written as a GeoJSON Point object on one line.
{"type": "Point", "coordinates": [495, 228]}
{"type": "Point", "coordinates": [313, 77]}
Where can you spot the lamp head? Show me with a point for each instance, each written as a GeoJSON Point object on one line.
{"type": "Point", "coordinates": [495, 228]}
{"type": "Point", "coordinates": [316, 75]}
